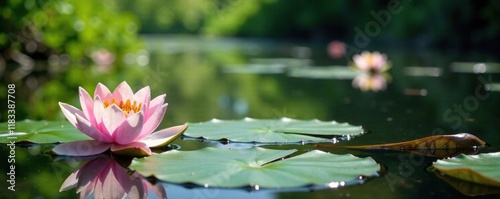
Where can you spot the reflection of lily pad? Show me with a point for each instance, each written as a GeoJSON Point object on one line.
{"type": "Point", "coordinates": [255, 167]}
{"type": "Point", "coordinates": [468, 188]}
{"type": "Point", "coordinates": [42, 132]}
{"type": "Point", "coordinates": [271, 130]}
{"type": "Point", "coordinates": [482, 168]}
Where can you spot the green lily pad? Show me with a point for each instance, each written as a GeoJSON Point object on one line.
{"type": "Point", "coordinates": [482, 168]}
{"type": "Point", "coordinates": [258, 167]}
{"type": "Point", "coordinates": [288, 62]}
{"type": "Point", "coordinates": [329, 72]}
{"type": "Point", "coordinates": [41, 132]}
{"type": "Point", "coordinates": [493, 87]}
{"type": "Point", "coordinates": [475, 67]}
{"type": "Point", "coordinates": [271, 130]}
{"type": "Point", "coordinates": [255, 68]}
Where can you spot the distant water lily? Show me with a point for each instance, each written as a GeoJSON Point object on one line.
{"type": "Point", "coordinates": [120, 120]}
{"type": "Point", "coordinates": [371, 62]}
{"type": "Point", "coordinates": [336, 49]}
{"type": "Point", "coordinates": [103, 57]}
{"type": "Point", "coordinates": [373, 68]}
{"type": "Point", "coordinates": [106, 178]}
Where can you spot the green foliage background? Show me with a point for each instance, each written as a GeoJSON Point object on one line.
{"type": "Point", "coordinates": [459, 23]}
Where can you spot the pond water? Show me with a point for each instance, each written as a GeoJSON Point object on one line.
{"type": "Point", "coordinates": [428, 93]}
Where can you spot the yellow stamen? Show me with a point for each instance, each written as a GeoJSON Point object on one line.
{"type": "Point", "coordinates": [126, 107]}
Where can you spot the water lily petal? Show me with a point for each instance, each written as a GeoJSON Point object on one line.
{"type": "Point", "coordinates": [361, 62]}
{"type": "Point", "coordinates": [102, 92]}
{"type": "Point", "coordinates": [86, 127]}
{"type": "Point", "coordinates": [81, 148]}
{"type": "Point", "coordinates": [112, 118]}
{"type": "Point", "coordinates": [123, 92]}
{"type": "Point", "coordinates": [129, 130]}
{"type": "Point", "coordinates": [157, 101]}
{"type": "Point", "coordinates": [153, 105]}
{"type": "Point", "coordinates": [164, 136]}
{"type": "Point", "coordinates": [98, 112]}
{"type": "Point", "coordinates": [137, 149]}
{"type": "Point", "coordinates": [143, 95]}
{"type": "Point", "coordinates": [87, 105]}
{"type": "Point", "coordinates": [378, 60]}
{"type": "Point", "coordinates": [152, 122]}
{"type": "Point", "coordinates": [70, 112]}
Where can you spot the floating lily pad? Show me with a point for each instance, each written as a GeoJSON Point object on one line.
{"type": "Point", "coordinates": [271, 130]}
{"type": "Point", "coordinates": [42, 132]}
{"type": "Point", "coordinates": [420, 71]}
{"type": "Point", "coordinates": [475, 67]}
{"type": "Point", "coordinates": [482, 168]}
{"type": "Point", "coordinates": [493, 87]}
{"type": "Point", "coordinates": [255, 68]}
{"type": "Point", "coordinates": [330, 72]}
{"type": "Point", "coordinates": [288, 62]}
{"type": "Point", "coordinates": [265, 168]}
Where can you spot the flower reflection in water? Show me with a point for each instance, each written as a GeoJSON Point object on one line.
{"type": "Point", "coordinates": [373, 74]}
{"type": "Point", "coordinates": [106, 178]}
{"type": "Point", "coordinates": [371, 81]}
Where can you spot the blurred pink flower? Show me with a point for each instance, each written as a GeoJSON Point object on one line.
{"type": "Point", "coordinates": [336, 49]}
{"type": "Point", "coordinates": [375, 62]}
{"type": "Point", "coordinates": [367, 82]}
{"type": "Point", "coordinates": [103, 57]}
{"type": "Point", "coordinates": [121, 121]}
{"type": "Point", "coordinates": [107, 179]}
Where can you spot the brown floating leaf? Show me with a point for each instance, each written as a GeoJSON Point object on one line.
{"type": "Point", "coordinates": [438, 145]}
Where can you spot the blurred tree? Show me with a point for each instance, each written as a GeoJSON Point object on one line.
{"type": "Point", "coordinates": [41, 40]}
{"type": "Point", "coordinates": [459, 23]}
{"type": "Point", "coordinates": [42, 28]}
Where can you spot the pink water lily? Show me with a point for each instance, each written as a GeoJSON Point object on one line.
{"type": "Point", "coordinates": [375, 62]}
{"type": "Point", "coordinates": [122, 121]}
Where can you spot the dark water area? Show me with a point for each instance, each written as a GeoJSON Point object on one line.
{"type": "Point", "coordinates": [428, 93]}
